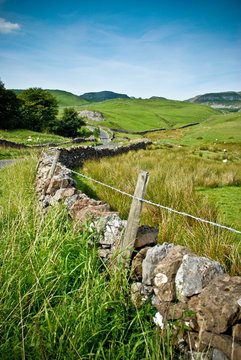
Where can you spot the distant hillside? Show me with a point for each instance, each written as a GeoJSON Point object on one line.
{"type": "Point", "coordinates": [102, 96]}
{"type": "Point", "coordinates": [64, 98]}
{"type": "Point", "coordinates": [229, 100]}
{"type": "Point", "coordinates": [147, 114]}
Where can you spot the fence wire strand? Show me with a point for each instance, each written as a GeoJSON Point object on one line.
{"type": "Point", "coordinates": [143, 200]}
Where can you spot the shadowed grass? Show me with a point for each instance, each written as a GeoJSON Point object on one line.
{"type": "Point", "coordinates": [174, 176]}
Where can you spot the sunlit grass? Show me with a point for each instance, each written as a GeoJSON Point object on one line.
{"type": "Point", "coordinates": [57, 299]}
{"type": "Point", "coordinates": [174, 177]}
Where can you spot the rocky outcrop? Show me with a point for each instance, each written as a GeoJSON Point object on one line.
{"type": "Point", "coordinates": [91, 115]}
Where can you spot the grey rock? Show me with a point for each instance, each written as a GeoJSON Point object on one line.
{"type": "Point", "coordinates": [111, 228]}
{"type": "Point", "coordinates": [195, 273]}
{"type": "Point", "coordinates": [140, 293]}
{"type": "Point", "coordinates": [155, 301]}
{"type": "Point", "coordinates": [153, 256]}
{"type": "Point", "coordinates": [217, 354]}
{"type": "Point", "coordinates": [71, 200]}
{"type": "Point", "coordinates": [92, 115]}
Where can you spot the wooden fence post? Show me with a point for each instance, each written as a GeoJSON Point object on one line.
{"type": "Point", "coordinates": [56, 159]}
{"type": "Point", "coordinates": [128, 240]}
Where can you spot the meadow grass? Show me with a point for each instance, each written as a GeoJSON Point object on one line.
{"type": "Point", "coordinates": [57, 299]}
{"type": "Point", "coordinates": [12, 153]}
{"type": "Point", "coordinates": [22, 135]}
{"type": "Point", "coordinates": [146, 114]}
{"type": "Point", "coordinates": [217, 129]}
{"type": "Point", "coordinates": [175, 180]}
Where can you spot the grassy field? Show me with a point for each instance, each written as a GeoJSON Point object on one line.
{"type": "Point", "coordinates": [141, 115]}
{"type": "Point", "coordinates": [217, 129]}
{"type": "Point", "coordinates": [57, 299]}
{"type": "Point", "coordinates": [185, 182]}
{"type": "Point", "coordinates": [22, 136]}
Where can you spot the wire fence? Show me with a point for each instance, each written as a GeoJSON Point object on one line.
{"type": "Point", "coordinates": [143, 200]}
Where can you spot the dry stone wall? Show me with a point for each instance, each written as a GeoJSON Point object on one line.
{"type": "Point", "coordinates": [75, 156]}
{"type": "Point", "coordinates": [193, 291]}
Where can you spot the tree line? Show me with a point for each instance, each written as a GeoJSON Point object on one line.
{"type": "Point", "coordinates": [37, 109]}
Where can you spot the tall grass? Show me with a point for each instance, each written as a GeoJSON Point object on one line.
{"type": "Point", "coordinates": [57, 299]}
{"type": "Point", "coordinates": [174, 175]}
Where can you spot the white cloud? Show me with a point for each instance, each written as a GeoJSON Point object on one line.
{"type": "Point", "coordinates": [6, 27]}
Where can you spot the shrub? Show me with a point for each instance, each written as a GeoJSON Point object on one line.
{"type": "Point", "coordinates": [70, 123]}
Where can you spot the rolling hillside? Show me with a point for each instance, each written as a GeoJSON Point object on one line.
{"type": "Point", "coordinates": [229, 100]}
{"type": "Point", "coordinates": [147, 114]}
{"type": "Point", "coordinates": [220, 128]}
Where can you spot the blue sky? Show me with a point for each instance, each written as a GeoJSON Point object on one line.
{"type": "Point", "coordinates": [175, 49]}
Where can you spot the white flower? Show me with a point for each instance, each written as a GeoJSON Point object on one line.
{"type": "Point", "coordinates": [225, 160]}
{"type": "Point", "coordinates": [158, 320]}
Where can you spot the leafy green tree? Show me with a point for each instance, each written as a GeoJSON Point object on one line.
{"type": "Point", "coordinates": [96, 133]}
{"type": "Point", "coordinates": [39, 109]}
{"type": "Point", "coordinates": [70, 123]}
{"type": "Point", "coordinates": [9, 109]}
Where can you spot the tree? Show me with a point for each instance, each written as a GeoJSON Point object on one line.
{"type": "Point", "coordinates": [9, 109]}
{"type": "Point", "coordinates": [39, 109]}
{"type": "Point", "coordinates": [70, 123]}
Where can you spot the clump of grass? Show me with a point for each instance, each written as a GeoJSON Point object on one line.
{"type": "Point", "coordinates": [174, 176]}
{"type": "Point", "coordinates": [57, 299]}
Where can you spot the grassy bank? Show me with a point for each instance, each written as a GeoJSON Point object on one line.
{"type": "Point", "coordinates": [146, 114]}
{"type": "Point", "coordinates": [175, 180]}
{"type": "Point", "coordinates": [57, 299]}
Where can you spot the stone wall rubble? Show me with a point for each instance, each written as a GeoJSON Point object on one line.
{"type": "Point", "coordinates": [193, 291]}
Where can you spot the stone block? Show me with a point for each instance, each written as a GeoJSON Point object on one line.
{"type": "Point", "coordinates": [195, 273]}
{"type": "Point", "coordinates": [217, 307]}
{"type": "Point", "coordinates": [153, 257]}
{"type": "Point", "coordinates": [165, 273]}
{"type": "Point", "coordinates": [146, 236]}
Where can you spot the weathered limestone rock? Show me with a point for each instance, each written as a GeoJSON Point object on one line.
{"type": "Point", "coordinates": [217, 305]}
{"type": "Point", "coordinates": [153, 256]}
{"type": "Point", "coordinates": [84, 209]}
{"type": "Point", "coordinates": [64, 193]}
{"type": "Point", "coordinates": [218, 355]}
{"type": "Point", "coordinates": [146, 235]}
{"type": "Point", "coordinates": [195, 273]}
{"type": "Point", "coordinates": [136, 265]}
{"type": "Point", "coordinates": [140, 293]}
{"type": "Point", "coordinates": [69, 201]}
{"type": "Point", "coordinates": [113, 230]}
{"type": "Point", "coordinates": [59, 182]}
{"type": "Point", "coordinates": [92, 115]}
{"type": "Point", "coordinates": [165, 272]}
{"type": "Point", "coordinates": [171, 311]}
{"type": "Point", "coordinates": [224, 343]}
{"type": "Point", "coordinates": [110, 227]}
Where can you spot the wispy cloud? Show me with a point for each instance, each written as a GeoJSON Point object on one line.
{"type": "Point", "coordinates": [7, 27]}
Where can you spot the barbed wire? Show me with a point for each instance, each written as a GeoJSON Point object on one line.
{"type": "Point", "coordinates": [143, 200]}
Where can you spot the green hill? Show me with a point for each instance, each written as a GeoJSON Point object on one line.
{"type": "Point", "coordinates": [219, 128]}
{"type": "Point", "coordinates": [147, 114]}
{"type": "Point", "coordinates": [102, 96]}
{"type": "Point", "coordinates": [229, 100]}
{"type": "Point", "coordinates": [64, 98]}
